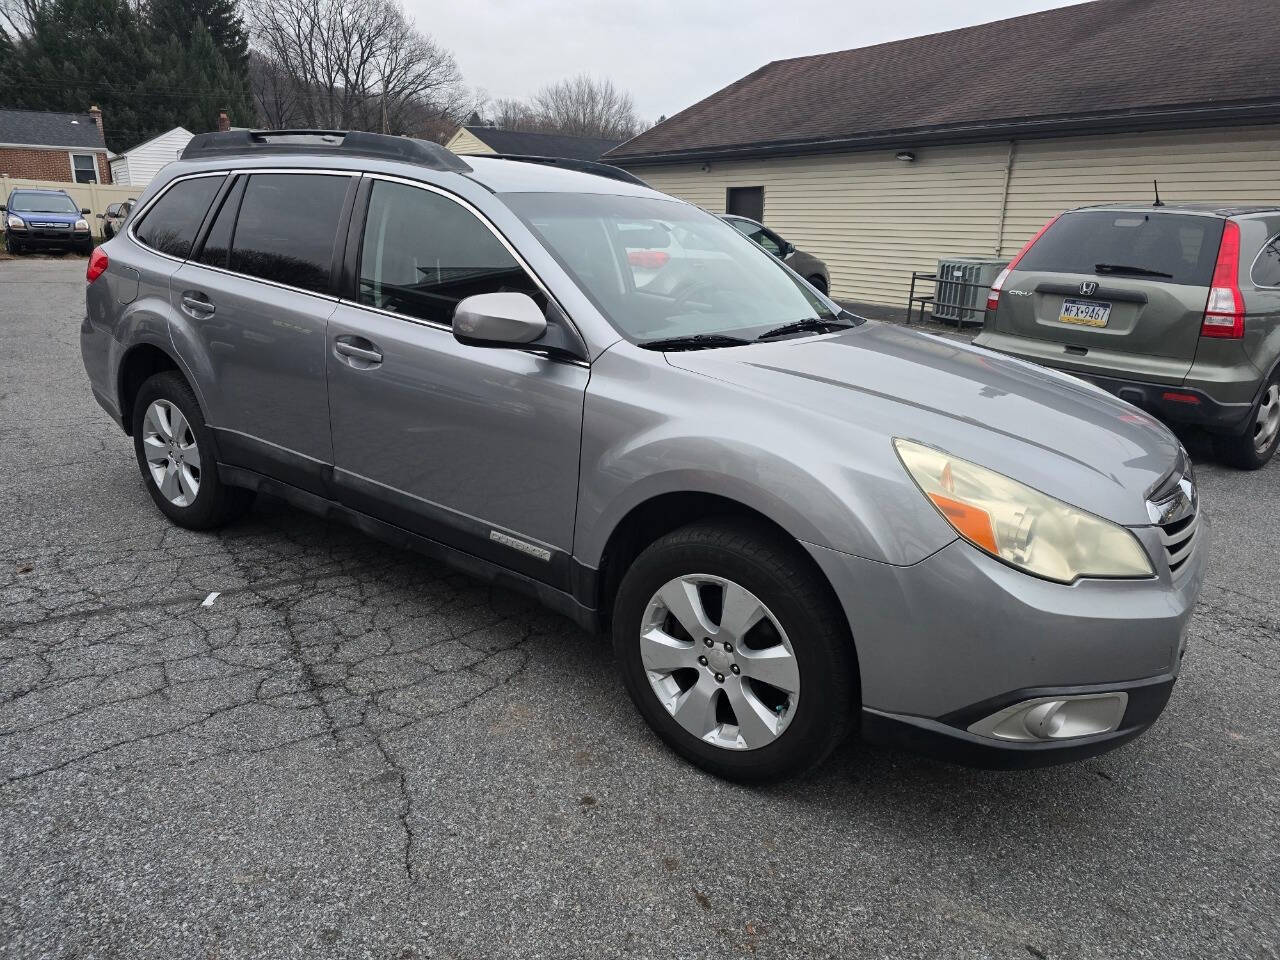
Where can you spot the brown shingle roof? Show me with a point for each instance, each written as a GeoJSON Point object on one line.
{"type": "Point", "coordinates": [1103, 65]}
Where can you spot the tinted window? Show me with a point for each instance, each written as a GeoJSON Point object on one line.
{"type": "Point", "coordinates": [287, 226]}
{"type": "Point", "coordinates": [217, 244]}
{"type": "Point", "coordinates": [170, 225]}
{"type": "Point", "coordinates": [1266, 269]}
{"type": "Point", "coordinates": [113, 210]}
{"type": "Point", "coordinates": [1181, 247]}
{"type": "Point", "coordinates": [422, 253]}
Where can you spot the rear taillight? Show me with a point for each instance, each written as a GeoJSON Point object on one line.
{"type": "Point", "coordinates": [993, 298]}
{"type": "Point", "coordinates": [97, 265]}
{"type": "Point", "coordinates": [1224, 313]}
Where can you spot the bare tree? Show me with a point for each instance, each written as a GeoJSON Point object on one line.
{"type": "Point", "coordinates": [584, 106]}
{"type": "Point", "coordinates": [18, 16]}
{"type": "Point", "coordinates": [510, 114]}
{"type": "Point", "coordinates": [351, 64]}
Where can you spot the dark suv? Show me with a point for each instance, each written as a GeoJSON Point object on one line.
{"type": "Point", "coordinates": [1173, 308]}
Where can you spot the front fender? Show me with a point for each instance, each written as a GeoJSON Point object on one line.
{"type": "Point", "coordinates": [651, 429]}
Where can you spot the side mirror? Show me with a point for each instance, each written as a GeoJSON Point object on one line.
{"type": "Point", "coordinates": [787, 250]}
{"type": "Point", "coordinates": [85, 211]}
{"type": "Point", "coordinates": [4, 208]}
{"type": "Point", "coordinates": [101, 216]}
{"type": "Point", "coordinates": [498, 320]}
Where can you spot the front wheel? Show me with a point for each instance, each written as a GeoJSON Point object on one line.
{"type": "Point", "coordinates": [1253, 449]}
{"type": "Point", "coordinates": [735, 652]}
{"type": "Point", "coordinates": [175, 454]}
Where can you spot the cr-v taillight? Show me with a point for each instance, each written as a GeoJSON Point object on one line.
{"type": "Point", "coordinates": [97, 265]}
{"type": "Point", "coordinates": [1224, 313]}
{"type": "Point", "coordinates": [993, 298]}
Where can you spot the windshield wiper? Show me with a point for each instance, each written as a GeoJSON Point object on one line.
{"type": "Point", "coordinates": [694, 341]}
{"type": "Point", "coordinates": [809, 323]}
{"type": "Point", "coordinates": [1134, 271]}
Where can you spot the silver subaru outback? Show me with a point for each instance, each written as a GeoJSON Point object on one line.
{"type": "Point", "coordinates": [795, 523]}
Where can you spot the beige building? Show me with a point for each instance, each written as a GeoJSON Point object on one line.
{"type": "Point", "coordinates": [478, 140]}
{"type": "Point", "coordinates": [879, 178]}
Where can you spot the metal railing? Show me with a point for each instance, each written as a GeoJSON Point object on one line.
{"type": "Point", "coordinates": [951, 294]}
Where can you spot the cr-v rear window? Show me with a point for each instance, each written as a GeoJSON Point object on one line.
{"type": "Point", "coordinates": [1182, 247]}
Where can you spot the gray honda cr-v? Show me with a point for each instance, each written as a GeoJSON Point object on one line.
{"type": "Point", "coordinates": [796, 523]}
{"type": "Point", "coordinates": [1175, 308]}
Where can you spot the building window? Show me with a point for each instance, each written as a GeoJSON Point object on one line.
{"type": "Point", "coordinates": [745, 202]}
{"type": "Point", "coordinates": [84, 167]}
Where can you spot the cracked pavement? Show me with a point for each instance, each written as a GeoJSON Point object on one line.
{"type": "Point", "coordinates": [355, 752]}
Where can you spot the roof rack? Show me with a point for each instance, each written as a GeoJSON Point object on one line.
{"type": "Point", "coordinates": [343, 142]}
{"type": "Point", "coordinates": [582, 166]}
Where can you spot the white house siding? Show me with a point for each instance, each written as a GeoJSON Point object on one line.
{"type": "Point", "coordinates": [143, 162]}
{"type": "Point", "coordinates": [874, 219]}
{"type": "Point", "coordinates": [465, 143]}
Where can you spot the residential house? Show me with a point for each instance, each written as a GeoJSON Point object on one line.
{"type": "Point", "coordinates": [44, 145]}
{"type": "Point", "coordinates": [477, 139]}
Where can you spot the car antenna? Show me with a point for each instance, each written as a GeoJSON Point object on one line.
{"type": "Point", "coordinates": [1159, 202]}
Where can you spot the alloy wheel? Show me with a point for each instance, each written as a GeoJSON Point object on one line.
{"type": "Point", "coordinates": [1268, 421]}
{"type": "Point", "coordinates": [173, 456]}
{"type": "Point", "coordinates": [719, 662]}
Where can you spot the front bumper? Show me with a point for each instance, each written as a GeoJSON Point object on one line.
{"type": "Point", "coordinates": [959, 635]}
{"type": "Point", "coordinates": [35, 237]}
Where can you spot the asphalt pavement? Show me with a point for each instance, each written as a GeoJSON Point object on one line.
{"type": "Point", "coordinates": [354, 752]}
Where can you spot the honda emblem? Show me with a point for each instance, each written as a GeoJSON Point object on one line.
{"type": "Point", "coordinates": [1089, 288]}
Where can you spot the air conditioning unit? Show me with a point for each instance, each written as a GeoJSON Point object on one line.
{"type": "Point", "coordinates": [963, 282]}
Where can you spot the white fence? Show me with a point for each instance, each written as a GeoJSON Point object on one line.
{"type": "Point", "coordinates": [94, 196]}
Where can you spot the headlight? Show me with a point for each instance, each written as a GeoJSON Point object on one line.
{"type": "Point", "coordinates": [82, 224]}
{"type": "Point", "coordinates": [17, 223]}
{"type": "Point", "coordinates": [1022, 526]}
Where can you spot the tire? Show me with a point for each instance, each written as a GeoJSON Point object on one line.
{"type": "Point", "coordinates": [14, 246]}
{"type": "Point", "coordinates": [788, 736]}
{"type": "Point", "coordinates": [817, 281]}
{"type": "Point", "coordinates": [1254, 448]}
{"type": "Point", "coordinates": [107, 232]}
{"type": "Point", "coordinates": [85, 248]}
{"type": "Point", "coordinates": [214, 504]}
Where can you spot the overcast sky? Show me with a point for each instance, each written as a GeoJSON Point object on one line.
{"type": "Point", "coordinates": [671, 53]}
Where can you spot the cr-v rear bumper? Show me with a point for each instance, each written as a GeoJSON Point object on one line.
{"type": "Point", "coordinates": [950, 642]}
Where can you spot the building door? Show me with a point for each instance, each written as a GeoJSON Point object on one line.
{"type": "Point", "coordinates": [745, 202]}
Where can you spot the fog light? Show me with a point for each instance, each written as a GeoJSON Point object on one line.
{"type": "Point", "coordinates": [1055, 718]}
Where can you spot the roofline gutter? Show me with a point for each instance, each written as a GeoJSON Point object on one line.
{"type": "Point", "coordinates": [50, 146]}
{"type": "Point", "coordinates": [1142, 119]}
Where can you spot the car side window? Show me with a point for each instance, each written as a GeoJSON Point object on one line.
{"type": "Point", "coordinates": [170, 225]}
{"type": "Point", "coordinates": [1266, 269]}
{"type": "Point", "coordinates": [422, 253]}
{"type": "Point", "coordinates": [758, 234]}
{"type": "Point", "coordinates": [113, 210]}
{"type": "Point", "coordinates": [286, 228]}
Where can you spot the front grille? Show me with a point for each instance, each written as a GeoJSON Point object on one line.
{"type": "Point", "coordinates": [1179, 539]}
{"type": "Point", "coordinates": [1175, 509]}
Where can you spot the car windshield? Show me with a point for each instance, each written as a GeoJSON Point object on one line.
{"type": "Point", "coordinates": [42, 203]}
{"type": "Point", "coordinates": [662, 269]}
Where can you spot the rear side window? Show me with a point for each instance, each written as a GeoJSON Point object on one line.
{"type": "Point", "coordinates": [1266, 269]}
{"type": "Point", "coordinates": [217, 243]}
{"type": "Point", "coordinates": [1165, 247]}
{"type": "Point", "coordinates": [422, 253]}
{"type": "Point", "coordinates": [170, 225]}
{"type": "Point", "coordinates": [287, 226]}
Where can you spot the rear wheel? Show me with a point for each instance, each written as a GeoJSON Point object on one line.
{"type": "Point", "coordinates": [175, 454]}
{"type": "Point", "coordinates": [1252, 449]}
{"type": "Point", "coordinates": [735, 652]}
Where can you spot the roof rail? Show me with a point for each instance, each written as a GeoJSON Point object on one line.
{"type": "Point", "coordinates": [341, 142]}
{"type": "Point", "coordinates": [582, 166]}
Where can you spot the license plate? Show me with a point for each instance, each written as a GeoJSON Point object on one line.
{"type": "Point", "coordinates": [1085, 313]}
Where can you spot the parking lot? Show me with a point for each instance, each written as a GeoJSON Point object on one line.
{"type": "Point", "coordinates": [353, 751]}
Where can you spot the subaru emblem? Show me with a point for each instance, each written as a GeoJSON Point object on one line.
{"type": "Point", "coordinates": [1089, 288]}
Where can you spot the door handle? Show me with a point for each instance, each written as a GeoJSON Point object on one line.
{"type": "Point", "coordinates": [197, 304]}
{"type": "Point", "coordinates": [350, 347]}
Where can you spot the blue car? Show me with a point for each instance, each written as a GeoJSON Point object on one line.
{"type": "Point", "coordinates": [45, 220]}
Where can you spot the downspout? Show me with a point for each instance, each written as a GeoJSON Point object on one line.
{"type": "Point", "coordinates": [1004, 196]}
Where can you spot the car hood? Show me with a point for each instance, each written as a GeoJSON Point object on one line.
{"type": "Point", "coordinates": [1051, 431]}
{"type": "Point", "coordinates": [63, 219]}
